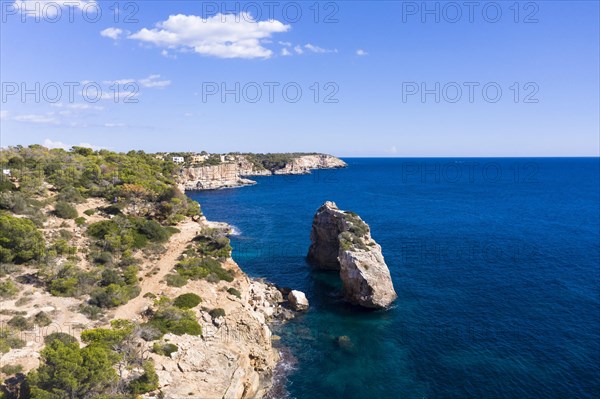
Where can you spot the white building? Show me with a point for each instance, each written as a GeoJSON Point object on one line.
{"type": "Point", "coordinates": [178, 160]}
{"type": "Point", "coordinates": [6, 172]}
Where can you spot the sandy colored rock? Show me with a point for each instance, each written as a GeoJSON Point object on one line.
{"type": "Point", "coordinates": [298, 300]}
{"type": "Point", "coordinates": [342, 241]}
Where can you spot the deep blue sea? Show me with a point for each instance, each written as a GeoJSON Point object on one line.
{"type": "Point", "coordinates": [495, 262]}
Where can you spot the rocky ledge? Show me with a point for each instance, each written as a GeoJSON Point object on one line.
{"type": "Point", "coordinates": [234, 170]}
{"type": "Point", "coordinates": [342, 241]}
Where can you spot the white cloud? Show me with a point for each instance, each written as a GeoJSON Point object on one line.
{"type": "Point", "coordinates": [78, 106]}
{"type": "Point", "coordinates": [222, 36]}
{"type": "Point", "coordinates": [286, 44]}
{"type": "Point", "coordinates": [319, 50]}
{"type": "Point", "coordinates": [48, 143]}
{"type": "Point", "coordinates": [49, 9]}
{"type": "Point", "coordinates": [111, 125]}
{"type": "Point", "coordinates": [153, 81]}
{"type": "Point", "coordinates": [285, 52]}
{"type": "Point", "coordinates": [166, 54]}
{"type": "Point", "coordinates": [47, 119]}
{"type": "Point", "coordinates": [112, 33]}
{"type": "Point", "coordinates": [361, 52]}
{"type": "Point", "coordinates": [55, 144]}
{"type": "Point", "coordinates": [298, 50]}
{"type": "Point", "coordinates": [120, 82]}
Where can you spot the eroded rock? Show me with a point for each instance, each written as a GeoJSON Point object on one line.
{"type": "Point", "coordinates": [298, 300]}
{"type": "Point", "coordinates": [342, 241]}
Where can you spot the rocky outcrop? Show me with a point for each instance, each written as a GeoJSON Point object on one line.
{"type": "Point", "coordinates": [298, 300]}
{"type": "Point", "coordinates": [234, 358]}
{"type": "Point", "coordinates": [342, 241]}
{"type": "Point", "coordinates": [233, 172]}
{"type": "Point", "coordinates": [306, 163]}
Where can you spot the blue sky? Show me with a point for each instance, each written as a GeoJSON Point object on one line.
{"type": "Point", "coordinates": [362, 68]}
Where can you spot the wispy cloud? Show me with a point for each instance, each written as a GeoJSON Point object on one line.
{"type": "Point", "coordinates": [317, 49]}
{"type": "Point", "coordinates": [153, 81]}
{"type": "Point", "coordinates": [112, 33]}
{"type": "Point", "coordinates": [45, 119]}
{"type": "Point", "coordinates": [361, 52]}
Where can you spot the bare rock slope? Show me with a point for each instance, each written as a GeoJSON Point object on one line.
{"type": "Point", "coordinates": [342, 241]}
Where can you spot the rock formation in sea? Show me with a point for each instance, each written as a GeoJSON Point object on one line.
{"type": "Point", "coordinates": [298, 300]}
{"type": "Point", "coordinates": [341, 240]}
{"type": "Point", "coordinates": [233, 171]}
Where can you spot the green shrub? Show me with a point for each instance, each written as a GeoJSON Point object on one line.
{"type": "Point", "coordinates": [187, 301]}
{"type": "Point", "coordinates": [80, 221]}
{"type": "Point", "coordinates": [70, 195]}
{"type": "Point", "coordinates": [90, 311]}
{"type": "Point", "coordinates": [357, 226]}
{"type": "Point", "coordinates": [164, 349]}
{"type": "Point", "coordinates": [8, 289]}
{"type": "Point", "coordinates": [89, 212]}
{"type": "Point", "coordinates": [20, 240]}
{"type": "Point", "coordinates": [42, 319]}
{"type": "Point", "coordinates": [234, 292]}
{"type": "Point", "coordinates": [65, 211]}
{"type": "Point", "coordinates": [6, 185]}
{"type": "Point", "coordinates": [68, 371]}
{"type": "Point", "coordinates": [113, 295]}
{"type": "Point", "coordinates": [64, 287]}
{"type": "Point", "coordinates": [175, 280]}
{"type": "Point", "coordinates": [196, 268]}
{"type": "Point", "coordinates": [217, 312]}
{"type": "Point", "coordinates": [59, 336]}
{"type": "Point", "coordinates": [147, 382]}
{"type": "Point", "coordinates": [174, 320]}
{"type": "Point", "coordinates": [20, 323]}
{"type": "Point", "coordinates": [8, 340]}
{"type": "Point", "coordinates": [153, 230]}
{"type": "Point", "coordinates": [11, 369]}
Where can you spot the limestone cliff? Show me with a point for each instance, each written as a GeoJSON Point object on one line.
{"type": "Point", "coordinates": [232, 172]}
{"type": "Point", "coordinates": [342, 241]}
{"type": "Point", "coordinates": [234, 359]}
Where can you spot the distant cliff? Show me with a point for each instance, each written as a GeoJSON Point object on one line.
{"type": "Point", "coordinates": [234, 169]}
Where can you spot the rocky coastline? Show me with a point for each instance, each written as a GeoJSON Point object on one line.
{"type": "Point", "coordinates": [235, 170]}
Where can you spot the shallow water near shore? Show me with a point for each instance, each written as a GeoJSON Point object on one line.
{"type": "Point", "coordinates": [495, 262]}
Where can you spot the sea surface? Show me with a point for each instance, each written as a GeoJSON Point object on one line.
{"type": "Point", "coordinates": [495, 262]}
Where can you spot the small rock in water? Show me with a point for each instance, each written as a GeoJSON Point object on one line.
{"type": "Point", "coordinates": [298, 300]}
{"type": "Point", "coordinates": [345, 343]}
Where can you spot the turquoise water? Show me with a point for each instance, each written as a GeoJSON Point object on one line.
{"type": "Point", "coordinates": [495, 261]}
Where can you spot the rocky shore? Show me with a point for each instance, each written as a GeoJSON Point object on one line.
{"type": "Point", "coordinates": [235, 170]}
{"type": "Point", "coordinates": [234, 358]}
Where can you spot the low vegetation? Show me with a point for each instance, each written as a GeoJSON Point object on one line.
{"type": "Point", "coordinates": [164, 349]}
{"type": "Point", "coordinates": [41, 231]}
{"type": "Point", "coordinates": [234, 292]}
{"type": "Point", "coordinates": [187, 301]}
{"type": "Point", "coordinates": [168, 318]}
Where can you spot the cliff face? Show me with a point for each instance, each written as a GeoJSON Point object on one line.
{"type": "Point", "coordinates": [234, 359]}
{"type": "Point", "coordinates": [342, 241]}
{"type": "Point", "coordinates": [214, 176]}
{"type": "Point", "coordinates": [231, 173]}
